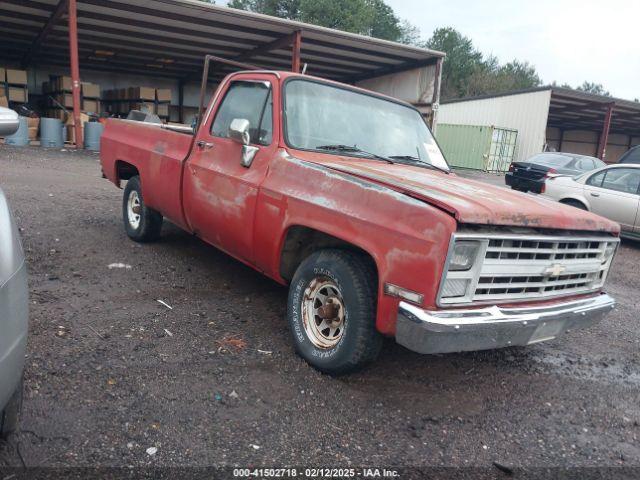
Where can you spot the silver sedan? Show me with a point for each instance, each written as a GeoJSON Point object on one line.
{"type": "Point", "coordinates": [612, 191]}
{"type": "Point", "coordinates": [14, 316]}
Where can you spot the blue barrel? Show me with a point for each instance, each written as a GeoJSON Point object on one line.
{"type": "Point", "coordinates": [51, 133]}
{"type": "Point", "coordinates": [21, 137]}
{"type": "Point", "coordinates": [92, 134]}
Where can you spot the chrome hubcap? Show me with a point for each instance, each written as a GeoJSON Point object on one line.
{"type": "Point", "coordinates": [323, 313]}
{"type": "Point", "coordinates": [133, 209]}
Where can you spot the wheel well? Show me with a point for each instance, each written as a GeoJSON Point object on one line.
{"type": "Point", "coordinates": [573, 201]}
{"type": "Point", "coordinates": [301, 242]}
{"type": "Point", "coordinates": [125, 170]}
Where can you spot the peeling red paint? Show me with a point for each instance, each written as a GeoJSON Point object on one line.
{"type": "Point", "coordinates": [471, 201]}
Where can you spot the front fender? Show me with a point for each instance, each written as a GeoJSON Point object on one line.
{"type": "Point", "coordinates": [407, 238]}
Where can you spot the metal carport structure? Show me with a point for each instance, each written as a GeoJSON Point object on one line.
{"type": "Point", "coordinates": [576, 110]}
{"type": "Point", "coordinates": [554, 118]}
{"type": "Point", "coordinates": [169, 38]}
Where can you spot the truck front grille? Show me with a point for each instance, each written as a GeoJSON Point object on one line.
{"type": "Point", "coordinates": [519, 267]}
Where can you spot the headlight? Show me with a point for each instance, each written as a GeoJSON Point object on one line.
{"type": "Point", "coordinates": [463, 256]}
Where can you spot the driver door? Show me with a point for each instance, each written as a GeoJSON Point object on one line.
{"type": "Point", "coordinates": [219, 192]}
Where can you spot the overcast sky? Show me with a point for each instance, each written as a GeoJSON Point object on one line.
{"type": "Point", "coordinates": [567, 41]}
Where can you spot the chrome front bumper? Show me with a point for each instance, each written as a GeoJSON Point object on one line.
{"type": "Point", "coordinates": [443, 331]}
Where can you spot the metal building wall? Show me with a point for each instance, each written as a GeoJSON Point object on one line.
{"type": "Point", "coordinates": [525, 112]}
{"type": "Point", "coordinates": [586, 143]}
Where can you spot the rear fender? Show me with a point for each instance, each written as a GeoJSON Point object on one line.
{"type": "Point", "coordinates": [157, 154]}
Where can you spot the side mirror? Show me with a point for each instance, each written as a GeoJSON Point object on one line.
{"type": "Point", "coordinates": [239, 131]}
{"type": "Point", "coordinates": [9, 122]}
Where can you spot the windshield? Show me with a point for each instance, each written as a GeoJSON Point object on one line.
{"type": "Point", "coordinates": [599, 163]}
{"type": "Point", "coordinates": [631, 156]}
{"type": "Point", "coordinates": [320, 116]}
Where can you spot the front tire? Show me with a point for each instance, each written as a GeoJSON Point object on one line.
{"type": "Point", "coordinates": [142, 224]}
{"type": "Point", "coordinates": [10, 415]}
{"type": "Point", "coordinates": [332, 310]}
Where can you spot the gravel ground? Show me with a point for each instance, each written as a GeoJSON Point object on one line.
{"type": "Point", "coordinates": [111, 372]}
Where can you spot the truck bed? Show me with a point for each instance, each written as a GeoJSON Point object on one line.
{"type": "Point", "coordinates": [156, 153]}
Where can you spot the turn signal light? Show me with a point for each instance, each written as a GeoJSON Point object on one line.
{"type": "Point", "coordinates": [396, 291]}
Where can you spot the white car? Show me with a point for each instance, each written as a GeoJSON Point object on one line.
{"type": "Point", "coordinates": [612, 191]}
{"type": "Point", "coordinates": [14, 304]}
{"type": "Point", "coordinates": [14, 318]}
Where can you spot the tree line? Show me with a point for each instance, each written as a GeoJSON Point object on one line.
{"type": "Point", "coordinates": [466, 71]}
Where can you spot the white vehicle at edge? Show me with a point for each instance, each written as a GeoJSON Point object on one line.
{"type": "Point", "coordinates": [612, 191]}
{"type": "Point", "coordinates": [14, 304]}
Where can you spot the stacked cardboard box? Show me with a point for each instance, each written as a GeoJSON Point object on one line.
{"type": "Point", "coordinates": [121, 101]}
{"type": "Point", "coordinates": [71, 131]}
{"type": "Point", "coordinates": [141, 93]}
{"type": "Point", "coordinates": [14, 83]}
{"type": "Point", "coordinates": [163, 94]}
{"type": "Point", "coordinates": [163, 100]}
{"type": "Point", "coordinates": [60, 88]}
{"type": "Point", "coordinates": [33, 123]}
{"type": "Point", "coordinates": [90, 97]}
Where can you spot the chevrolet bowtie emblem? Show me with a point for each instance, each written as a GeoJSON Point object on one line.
{"type": "Point", "coordinates": [554, 270]}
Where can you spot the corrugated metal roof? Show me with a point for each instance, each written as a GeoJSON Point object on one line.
{"type": "Point", "coordinates": [496, 95]}
{"type": "Point", "coordinates": [573, 109]}
{"type": "Point", "coordinates": [170, 38]}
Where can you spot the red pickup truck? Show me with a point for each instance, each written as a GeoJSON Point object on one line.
{"type": "Point", "coordinates": [344, 195]}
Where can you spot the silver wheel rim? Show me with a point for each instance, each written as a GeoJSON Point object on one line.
{"type": "Point", "coordinates": [133, 209]}
{"type": "Point", "coordinates": [323, 313]}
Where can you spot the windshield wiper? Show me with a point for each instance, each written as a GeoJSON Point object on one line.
{"type": "Point", "coordinates": [420, 161]}
{"type": "Point", "coordinates": [353, 149]}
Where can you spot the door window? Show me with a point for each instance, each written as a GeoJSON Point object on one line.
{"type": "Point", "coordinates": [625, 180]}
{"type": "Point", "coordinates": [251, 101]}
{"type": "Point", "coordinates": [596, 180]}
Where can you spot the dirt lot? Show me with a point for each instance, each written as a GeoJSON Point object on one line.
{"type": "Point", "coordinates": [112, 372]}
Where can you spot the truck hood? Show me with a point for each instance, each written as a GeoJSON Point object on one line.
{"type": "Point", "coordinates": [469, 201]}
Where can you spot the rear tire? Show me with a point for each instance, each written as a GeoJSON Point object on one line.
{"type": "Point", "coordinates": [142, 224]}
{"type": "Point", "coordinates": [11, 414]}
{"type": "Point", "coordinates": [574, 203]}
{"type": "Point", "coordinates": [332, 309]}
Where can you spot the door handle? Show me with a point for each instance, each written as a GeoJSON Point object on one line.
{"type": "Point", "coordinates": [204, 145]}
{"type": "Point", "coordinates": [595, 194]}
